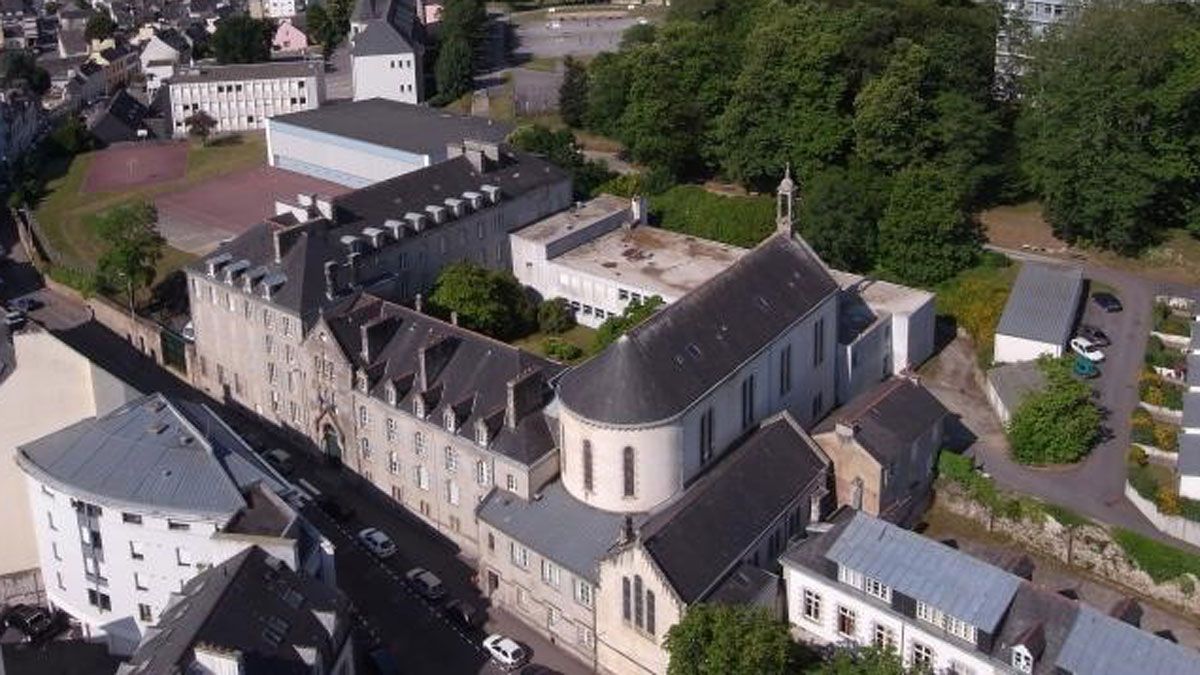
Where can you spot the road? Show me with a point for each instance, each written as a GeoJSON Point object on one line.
{"type": "Point", "coordinates": [415, 631]}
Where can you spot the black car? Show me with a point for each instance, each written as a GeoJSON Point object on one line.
{"type": "Point", "coordinates": [25, 304]}
{"type": "Point", "coordinates": [1107, 302]}
{"type": "Point", "coordinates": [34, 622]}
{"type": "Point", "coordinates": [1094, 335]}
{"type": "Point", "coordinates": [464, 613]}
{"type": "Point", "coordinates": [334, 508]}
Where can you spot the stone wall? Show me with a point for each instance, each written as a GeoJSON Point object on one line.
{"type": "Point", "coordinates": [1090, 548]}
{"type": "Point", "coordinates": [22, 587]}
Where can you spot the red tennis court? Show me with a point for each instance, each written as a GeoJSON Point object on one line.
{"type": "Point", "coordinates": [128, 165]}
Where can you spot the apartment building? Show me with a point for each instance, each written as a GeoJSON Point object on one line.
{"type": "Point", "coordinates": [387, 51]}
{"type": "Point", "coordinates": [242, 97]}
{"type": "Point", "coordinates": [129, 506]}
{"type": "Point", "coordinates": [864, 581]}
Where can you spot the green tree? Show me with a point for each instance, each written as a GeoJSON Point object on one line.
{"type": "Point", "coordinates": [926, 234]}
{"type": "Point", "coordinates": [242, 39]}
{"type": "Point", "coordinates": [201, 125]}
{"type": "Point", "coordinates": [465, 19]}
{"type": "Point", "coordinates": [891, 113]}
{"type": "Point", "coordinates": [1110, 127]}
{"type": "Point", "coordinates": [573, 93]}
{"type": "Point", "coordinates": [134, 247]}
{"type": "Point", "coordinates": [488, 301]}
{"type": "Point", "coordinates": [865, 661]}
{"type": "Point", "coordinates": [638, 34]}
{"type": "Point", "coordinates": [323, 28]}
{"type": "Point", "coordinates": [454, 71]}
{"type": "Point", "coordinates": [560, 148]}
{"type": "Point", "coordinates": [555, 316]}
{"type": "Point", "coordinates": [633, 315]}
{"type": "Point", "coordinates": [716, 639]}
{"type": "Point", "coordinates": [608, 90]}
{"type": "Point", "coordinates": [1057, 425]}
{"type": "Point", "coordinates": [100, 26]}
{"type": "Point", "coordinates": [20, 67]}
{"type": "Point", "coordinates": [839, 216]}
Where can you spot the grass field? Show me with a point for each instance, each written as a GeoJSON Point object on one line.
{"type": "Point", "coordinates": [66, 214]}
{"type": "Point", "coordinates": [580, 336]}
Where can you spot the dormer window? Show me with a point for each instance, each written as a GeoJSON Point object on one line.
{"type": "Point", "coordinates": [449, 420]}
{"type": "Point", "coordinates": [362, 381]}
{"type": "Point", "coordinates": [481, 433]}
{"type": "Point", "coordinates": [1022, 660]}
{"type": "Point", "coordinates": [419, 407]}
{"type": "Point", "coordinates": [391, 393]}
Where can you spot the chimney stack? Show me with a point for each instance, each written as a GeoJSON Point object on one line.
{"type": "Point", "coordinates": [638, 206]}
{"type": "Point", "coordinates": [526, 393]}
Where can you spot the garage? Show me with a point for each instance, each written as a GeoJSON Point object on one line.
{"type": "Point", "coordinates": [1040, 314]}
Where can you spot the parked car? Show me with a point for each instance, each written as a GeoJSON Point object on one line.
{"type": "Point", "coordinates": [1087, 349]}
{"type": "Point", "coordinates": [334, 508]}
{"type": "Point", "coordinates": [464, 613]}
{"type": "Point", "coordinates": [377, 542]}
{"type": "Point", "coordinates": [505, 651]}
{"type": "Point", "coordinates": [426, 583]}
{"type": "Point", "coordinates": [33, 622]}
{"type": "Point", "coordinates": [25, 304]}
{"type": "Point", "coordinates": [281, 460]}
{"type": "Point", "coordinates": [1107, 302]}
{"type": "Point", "coordinates": [1094, 335]}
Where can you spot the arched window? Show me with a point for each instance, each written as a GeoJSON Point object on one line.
{"type": "Point", "coordinates": [627, 471]}
{"type": "Point", "coordinates": [637, 600]}
{"type": "Point", "coordinates": [587, 466]}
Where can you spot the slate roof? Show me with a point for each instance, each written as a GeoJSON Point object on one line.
{"type": "Point", "coordinates": [1189, 454]}
{"type": "Point", "coordinates": [379, 38]}
{"type": "Point", "coordinates": [249, 71]}
{"type": "Point", "coordinates": [940, 576]}
{"type": "Point", "coordinates": [402, 126]}
{"type": "Point", "coordinates": [1195, 343]}
{"type": "Point", "coordinates": [1040, 620]}
{"type": "Point", "coordinates": [242, 605]}
{"type": "Point", "coordinates": [150, 454]}
{"type": "Point", "coordinates": [473, 379]}
{"type": "Point", "coordinates": [72, 42]}
{"type": "Point", "coordinates": [556, 526]}
{"type": "Point", "coordinates": [697, 539]}
{"type": "Point", "coordinates": [302, 264]}
{"type": "Point", "coordinates": [664, 365]}
{"type": "Point", "coordinates": [1102, 645]}
{"type": "Point", "coordinates": [889, 418]}
{"type": "Point", "coordinates": [1043, 303]}
{"type": "Point", "coordinates": [120, 120]}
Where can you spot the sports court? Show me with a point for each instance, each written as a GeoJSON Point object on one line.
{"type": "Point", "coordinates": [198, 218]}
{"type": "Point", "coordinates": [131, 165]}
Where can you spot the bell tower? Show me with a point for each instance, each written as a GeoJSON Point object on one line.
{"type": "Point", "coordinates": [785, 203]}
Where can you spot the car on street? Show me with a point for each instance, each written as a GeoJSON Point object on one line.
{"type": "Point", "coordinates": [33, 622]}
{"type": "Point", "coordinates": [464, 613]}
{"type": "Point", "coordinates": [1094, 335]}
{"type": "Point", "coordinates": [281, 460]}
{"type": "Point", "coordinates": [505, 651]}
{"type": "Point", "coordinates": [334, 508]}
{"type": "Point", "coordinates": [377, 542]}
{"type": "Point", "coordinates": [426, 583]}
{"type": "Point", "coordinates": [1107, 302]}
{"type": "Point", "coordinates": [1087, 349]}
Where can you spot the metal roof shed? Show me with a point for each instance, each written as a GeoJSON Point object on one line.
{"type": "Point", "coordinates": [1040, 313]}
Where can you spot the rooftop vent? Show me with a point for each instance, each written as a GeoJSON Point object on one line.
{"type": "Point", "coordinates": [437, 214]}
{"type": "Point", "coordinates": [474, 199]}
{"type": "Point", "coordinates": [395, 228]}
{"type": "Point", "coordinates": [374, 235]}
{"type": "Point", "coordinates": [415, 220]}
{"type": "Point", "coordinates": [492, 192]}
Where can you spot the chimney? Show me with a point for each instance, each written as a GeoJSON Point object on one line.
{"type": "Point", "coordinates": [233, 270]}
{"type": "Point", "coordinates": [284, 238]}
{"type": "Point", "coordinates": [374, 335]}
{"type": "Point", "coordinates": [627, 530]}
{"type": "Point", "coordinates": [354, 262]}
{"type": "Point", "coordinates": [419, 303]}
{"type": "Point", "coordinates": [415, 220]}
{"type": "Point", "coordinates": [638, 206]}
{"type": "Point", "coordinates": [433, 357]}
{"type": "Point", "coordinates": [526, 393]}
{"type": "Point", "coordinates": [395, 228]}
{"type": "Point", "coordinates": [324, 206]}
{"type": "Point", "coordinates": [437, 214]}
{"type": "Point", "coordinates": [845, 431]}
{"type": "Point", "coordinates": [330, 278]}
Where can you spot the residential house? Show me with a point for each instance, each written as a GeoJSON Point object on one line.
{"type": "Point", "coordinates": [289, 39]}
{"type": "Point", "coordinates": [122, 119]}
{"type": "Point", "coordinates": [120, 62]}
{"type": "Point", "coordinates": [161, 54]}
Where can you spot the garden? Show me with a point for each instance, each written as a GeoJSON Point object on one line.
{"type": "Point", "coordinates": [1156, 483]}
{"type": "Point", "coordinates": [1151, 432]}
{"type": "Point", "coordinates": [1157, 391]}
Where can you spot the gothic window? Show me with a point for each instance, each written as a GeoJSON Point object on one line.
{"type": "Point", "coordinates": [627, 471]}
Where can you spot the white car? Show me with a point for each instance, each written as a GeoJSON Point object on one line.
{"type": "Point", "coordinates": [505, 651]}
{"type": "Point", "coordinates": [377, 542]}
{"type": "Point", "coordinates": [1087, 349]}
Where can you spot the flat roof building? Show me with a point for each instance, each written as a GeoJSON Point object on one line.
{"type": "Point", "coordinates": [242, 97]}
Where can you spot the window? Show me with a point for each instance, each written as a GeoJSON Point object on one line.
{"type": "Point", "coordinates": [54, 551]}
{"type": "Point", "coordinates": [785, 371]}
{"type": "Point", "coordinates": [491, 541]}
{"type": "Point", "coordinates": [639, 608]}
{"type": "Point", "coordinates": [583, 593]}
{"type": "Point", "coordinates": [550, 574]}
{"type": "Point", "coordinates": [137, 582]}
{"type": "Point", "coordinates": [50, 521]}
{"type": "Point", "coordinates": [419, 444]}
{"type": "Point", "coordinates": [176, 525]}
{"type": "Point", "coordinates": [650, 612]}
{"type": "Point", "coordinates": [922, 656]}
{"type": "Point", "coordinates": [131, 518]}
{"type": "Point", "coordinates": [451, 459]}
{"type": "Point", "coordinates": [510, 483]}
{"type": "Point", "coordinates": [482, 476]}
{"type": "Point", "coordinates": [364, 446]}
{"type": "Point", "coordinates": [183, 557]}
{"type": "Point", "coordinates": [1022, 660]}
{"type": "Point", "coordinates": [518, 554]}
{"type": "Point", "coordinates": [819, 342]}
{"type": "Point", "coordinates": [144, 613]}
{"type": "Point", "coordinates": [393, 462]}
{"type": "Point", "coordinates": [846, 621]}
{"type": "Point", "coordinates": [421, 476]}
{"type": "Point", "coordinates": [362, 416]}
{"type": "Point", "coordinates": [586, 637]}
{"type": "Point", "coordinates": [626, 599]}
{"type": "Point", "coordinates": [706, 436]}
{"type": "Point", "coordinates": [452, 494]}
{"type": "Point", "coordinates": [629, 481]}
{"type": "Point", "coordinates": [878, 589]}
{"type": "Point", "coordinates": [61, 585]}
{"type": "Point", "coordinates": [958, 628]}
{"type": "Point", "coordinates": [587, 466]}
{"type": "Point", "coordinates": [850, 577]}
{"type": "Point", "coordinates": [99, 600]}
{"type": "Point", "coordinates": [135, 551]}
{"type": "Point", "coordinates": [812, 605]}
{"type": "Point", "coordinates": [747, 401]}
{"type": "Point", "coordinates": [884, 637]}
{"type": "Point", "coordinates": [552, 615]}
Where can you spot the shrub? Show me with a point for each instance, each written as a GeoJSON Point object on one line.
{"type": "Point", "coordinates": [1138, 456]}
{"type": "Point", "coordinates": [1156, 391]}
{"type": "Point", "coordinates": [1167, 500]}
{"type": "Point", "coordinates": [561, 350]}
{"type": "Point", "coordinates": [975, 299]}
{"type": "Point", "coordinates": [690, 209]}
{"type": "Point", "coordinates": [1160, 561]}
{"type": "Point", "coordinates": [1167, 321]}
{"type": "Point", "coordinates": [1057, 425]}
{"type": "Point", "coordinates": [555, 316]}
{"type": "Point", "coordinates": [1143, 481]}
{"type": "Point", "coordinates": [1159, 355]}
{"type": "Point", "coordinates": [961, 470]}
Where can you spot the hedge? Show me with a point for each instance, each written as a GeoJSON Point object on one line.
{"type": "Point", "coordinates": [1160, 561]}
{"type": "Point", "coordinates": [1156, 391]}
{"type": "Point", "coordinates": [690, 209]}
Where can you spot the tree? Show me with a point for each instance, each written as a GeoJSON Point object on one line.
{"type": "Point", "coordinates": [323, 29]}
{"type": "Point", "coordinates": [1058, 424]}
{"type": "Point", "coordinates": [465, 19]}
{"type": "Point", "coordinates": [840, 215]}
{"type": "Point", "coordinates": [863, 661]}
{"type": "Point", "coordinates": [20, 67]}
{"type": "Point", "coordinates": [100, 26]}
{"type": "Point", "coordinates": [1109, 126]}
{"type": "Point", "coordinates": [926, 234]}
{"type": "Point", "coordinates": [454, 70]}
{"type": "Point", "coordinates": [560, 148]}
{"type": "Point", "coordinates": [608, 89]}
{"type": "Point", "coordinates": [555, 316]}
{"type": "Point", "coordinates": [491, 302]}
{"type": "Point", "coordinates": [638, 34]}
{"type": "Point", "coordinates": [242, 39]}
{"type": "Point", "coordinates": [633, 315]}
{"type": "Point", "coordinates": [716, 639]}
{"type": "Point", "coordinates": [573, 93]}
{"type": "Point", "coordinates": [134, 247]}
{"type": "Point", "coordinates": [201, 125]}
{"type": "Point", "coordinates": [891, 113]}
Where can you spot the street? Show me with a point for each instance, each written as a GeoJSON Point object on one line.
{"type": "Point", "coordinates": [418, 634]}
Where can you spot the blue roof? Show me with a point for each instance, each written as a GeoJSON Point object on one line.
{"type": "Point", "coordinates": [940, 576]}
{"type": "Point", "coordinates": [1043, 303]}
{"type": "Point", "coordinates": [1102, 645]}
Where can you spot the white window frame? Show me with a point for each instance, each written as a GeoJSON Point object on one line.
{"type": "Point", "coordinates": [810, 605]}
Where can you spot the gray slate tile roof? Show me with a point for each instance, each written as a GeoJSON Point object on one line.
{"type": "Point", "coordinates": [150, 454]}
{"type": "Point", "coordinates": [379, 38]}
{"type": "Point", "coordinates": [1195, 343]}
{"type": "Point", "coordinates": [889, 417]}
{"type": "Point", "coordinates": [664, 365]}
{"type": "Point", "coordinates": [699, 537]}
{"type": "Point", "coordinates": [1043, 303]}
{"type": "Point", "coordinates": [392, 124]}
{"type": "Point", "coordinates": [1189, 454]}
{"type": "Point", "coordinates": [1101, 645]}
{"type": "Point", "coordinates": [556, 526]}
{"type": "Point", "coordinates": [249, 71]}
{"type": "Point", "coordinates": [1040, 620]}
{"type": "Point", "coordinates": [938, 575]}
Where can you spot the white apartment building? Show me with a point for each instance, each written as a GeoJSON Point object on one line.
{"type": "Point", "coordinates": [243, 97]}
{"type": "Point", "coordinates": [387, 51]}
{"type": "Point", "coordinates": [131, 505]}
{"type": "Point", "coordinates": [275, 9]}
{"type": "Point", "coordinates": [860, 581]}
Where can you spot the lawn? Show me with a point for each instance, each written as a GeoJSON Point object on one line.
{"type": "Point", "coordinates": [65, 213]}
{"type": "Point", "coordinates": [580, 336]}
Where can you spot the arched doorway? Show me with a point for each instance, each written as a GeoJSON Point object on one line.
{"type": "Point", "coordinates": [331, 443]}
